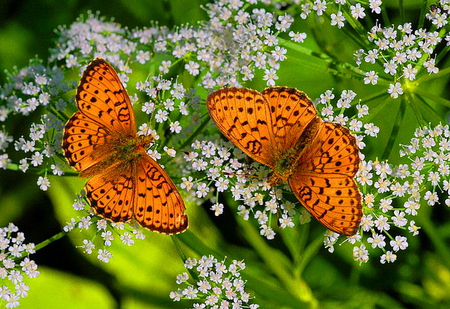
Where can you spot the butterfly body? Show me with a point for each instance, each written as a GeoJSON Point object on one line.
{"type": "Point", "coordinates": [280, 129]}
{"type": "Point", "coordinates": [118, 155]}
{"type": "Point", "coordinates": [101, 142]}
{"type": "Point", "coordinates": [288, 161]}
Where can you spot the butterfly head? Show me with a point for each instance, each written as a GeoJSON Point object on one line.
{"type": "Point", "coordinates": [145, 141]}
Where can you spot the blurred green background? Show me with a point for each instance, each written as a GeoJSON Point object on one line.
{"type": "Point", "coordinates": [142, 275]}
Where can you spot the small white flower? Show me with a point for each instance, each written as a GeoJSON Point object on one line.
{"type": "Point", "coordinates": [217, 208]}
{"type": "Point", "coordinates": [361, 254]}
{"type": "Point", "coordinates": [43, 183]}
{"type": "Point", "coordinates": [389, 257]}
{"type": "Point", "coordinates": [193, 68]}
{"type": "Point", "coordinates": [409, 72]}
{"type": "Point", "coordinates": [337, 19]}
{"type": "Point", "coordinates": [371, 78]}
{"type": "Point", "coordinates": [175, 127]}
{"type": "Point", "coordinates": [400, 243]}
{"type": "Point", "coordinates": [104, 255]}
{"type": "Point", "coordinates": [88, 246]}
{"type": "Point", "coordinates": [297, 36]}
{"type": "Point", "coordinates": [357, 11]}
{"type": "Point", "coordinates": [37, 158]}
{"type": "Point", "coordinates": [320, 7]}
{"type": "Point", "coordinates": [395, 90]}
{"type": "Point", "coordinates": [161, 115]}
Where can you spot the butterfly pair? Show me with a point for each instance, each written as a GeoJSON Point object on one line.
{"type": "Point", "coordinates": [278, 128]}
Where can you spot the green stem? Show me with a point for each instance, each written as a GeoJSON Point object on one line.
{"type": "Point", "coordinates": [326, 63]}
{"type": "Point", "coordinates": [423, 11]}
{"type": "Point", "coordinates": [426, 94]}
{"type": "Point", "coordinates": [277, 263]}
{"type": "Point", "coordinates": [52, 239]}
{"type": "Point", "coordinates": [435, 236]}
{"type": "Point", "coordinates": [385, 18]}
{"type": "Point", "coordinates": [395, 130]}
{"type": "Point", "coordinates": [361, 39]}
{"type": "Point", "coordinates": [176, 242]}
{"type": "Point", "coordinates": [196, 132]}
{"type": "Point", "coordinates": [402, 11]}
{"type": "Point", "coordinates": [415, 107]}
{"type": "Point", "coordinates": [197, 244]}
{"type": "Point", "coordinates": [425, 78]}
{"type": "Point", "coordinates": [380, 99]}
{"type": "Point", "coordinates": [12, 167]}
{"type": "Point", "coordinates": [309, 253]}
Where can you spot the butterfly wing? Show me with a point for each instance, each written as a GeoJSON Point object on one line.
{"type": "Point", "coordinates": [158, 205]}
{"type": "Point", "coordinates": [105, 110]}
{"type": "Point", "coordinates": [102, 98]}
{"type": "Point", "coordinates": [242, 115]}
{"type": "Point", "coordinates": [291, 111]}
{"type": "Point", "coordinates": [82, 136]}
{"type": "Point", "coordinates": [112, 198]}
{"type": "Point", "coordinates": [324, 183]}
{"type": "Point", "coordinates": [263, 125]}
{"type": "Point", "coordinates": [145, 193]}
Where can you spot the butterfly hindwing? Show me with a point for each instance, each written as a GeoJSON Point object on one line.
{"type": "Point", "coordinates": [112, 198]}
{"type": "Point", "coordinates": [333, 199]}
{"type": "Point", "coordinates": [158, 205]}
{"type": "Point", "coordinates": [333, 150]}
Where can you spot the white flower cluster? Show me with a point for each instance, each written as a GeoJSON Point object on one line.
{"type": "Point", "coordinates": [439, 15]}
{"type": "Point", "coordinates": [108, 231]}
{"type": "Point", "coordinates": [227, 173]}
{"type": "Point", "coordinates": [383, 183]}
{"type": "Point", "coordinates": [233, 44]}
{"type": "Point", "coordinates": [218, 285]}
{"type": "Point", "coordinates": [28, 89]}
{"type": "Point", "coordinates": [429, 152]}
{"type": "Point", "coordinates": [400, 50]}
{"type": "Point", "coordinates": [93, 37]}
{"type": "Point", "coordinates": [338, 9]}
{"type": "Point", "coordinates": [13, 265]}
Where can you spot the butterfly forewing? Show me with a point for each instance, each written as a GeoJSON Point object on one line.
{"type": "Point", "coordinates": [243, 117]}
{"type": "Point", "coordinates": [102, 97]}
{"type": "Point", "coordinates": [291, 111]}
{"type": "Point", "coordinates": [324, 182]}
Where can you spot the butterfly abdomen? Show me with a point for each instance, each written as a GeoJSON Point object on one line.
{"type": "Point", "coordinates": [304, 143]}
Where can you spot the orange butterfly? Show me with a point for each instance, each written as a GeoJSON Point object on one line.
{"type": "Point", "coordinates": [280, 129]}
{"type": "Point", "coordinates": [101, 142]}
